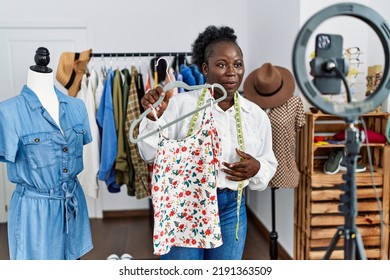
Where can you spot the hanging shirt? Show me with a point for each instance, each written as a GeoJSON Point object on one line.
{"type": "Point", "coordinates": [187, 75]}
{"type": "Point", "coordinates": [91, 160]}
{"type": "Point", "coordinates": [99, 90]}
{"type": "Point", "coordinates": [106, 122]}
{"type": "Point", "coordinates": [286, 120]}
{"type": "Point", "coordinates": [126, 91]}
{"type": "Point", "coordinates": [148, 85]}
{"type": "Point", "coordinates": [139, 165]}
{"type": "Point", "coordinates": [48, 215]}
{"type": "Point", "coordinates": [256, 128]}
{"type": "Point", "coordinates": [184, 190]}
{"type": "Point", "coordinates": [139, 84]}
{"type": "Point", "coordinates": [121, 164]}
{"type": "Point", "coordinates": [179, 78]}
{"type": "Point", "coordinates": [199, 78]}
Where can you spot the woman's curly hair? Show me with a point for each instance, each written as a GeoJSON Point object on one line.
{"type": "Point", "coordinates": [203, 46]}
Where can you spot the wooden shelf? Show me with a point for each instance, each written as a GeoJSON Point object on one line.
{"type": "Point", "coordinates": [317, 199]}
{"type": "Point", "coordinates": [329, 146]}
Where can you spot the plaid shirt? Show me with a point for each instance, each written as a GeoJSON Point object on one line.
{"type": "Point", "coordinates": [140, 167]}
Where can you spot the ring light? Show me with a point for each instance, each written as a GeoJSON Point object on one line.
{"type": "Point", "coordinates": [349, 111]}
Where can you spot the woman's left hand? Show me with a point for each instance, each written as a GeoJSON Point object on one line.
{"type": "Point", "coordinates": [242, 170]}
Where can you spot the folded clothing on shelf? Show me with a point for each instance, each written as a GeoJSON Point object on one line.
{"type": "Point", "coordinates": [371, 136]}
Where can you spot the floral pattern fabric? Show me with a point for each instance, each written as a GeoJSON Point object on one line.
{"type": "Point", "coordinates": [184, 190]}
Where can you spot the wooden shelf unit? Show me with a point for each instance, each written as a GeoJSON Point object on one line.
{"type": "Point", "coordinates": [317, 198]}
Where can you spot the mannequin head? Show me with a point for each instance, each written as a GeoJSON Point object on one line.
{"type": "Point", "coordinates": [42, 59]}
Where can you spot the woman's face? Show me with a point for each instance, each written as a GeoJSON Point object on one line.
{"type": "Point", "coordinates": [225, 66]}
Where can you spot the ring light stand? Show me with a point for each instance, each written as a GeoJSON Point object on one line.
{"type": "Point", "coordinates": [353, 244]}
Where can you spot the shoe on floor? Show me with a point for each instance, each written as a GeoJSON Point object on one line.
{"type": "Point", "coordinates": [113, 257]}
{"type": "Point", "coordinates": [332, 164]}
{"type": "Point", "coordinates": [126, 256]}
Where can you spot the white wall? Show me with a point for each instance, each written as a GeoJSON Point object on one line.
{"type": "Point", "coordinates": [382, 7]}
{"type": "Point", "coordinates": [132, 25]}
{"type": "Point", "coordinates": [124, 26]}
{"type": "Point", "coordinates": [271, 31]}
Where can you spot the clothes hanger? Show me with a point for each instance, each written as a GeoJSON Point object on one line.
{"type": "Point", "coordinates": [110, 61]}
{"type": "Point", "coordinates": [103, 68]}
{"type": "Point", "coordinates": [117, 62]}
{"type": "Point", "coordinates": [169, 86]}
{"type": "Point", "coordinates": [139, 64]}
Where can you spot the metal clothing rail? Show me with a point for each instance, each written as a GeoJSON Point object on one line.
{"type": "Point", "coordinates": [144, 54]}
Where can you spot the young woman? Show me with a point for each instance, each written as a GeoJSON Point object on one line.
{"type": "Point", "coordinates": [246, 159]}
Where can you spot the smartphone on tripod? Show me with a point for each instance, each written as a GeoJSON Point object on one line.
{"type": "Point", "coordinates": [328, 47]}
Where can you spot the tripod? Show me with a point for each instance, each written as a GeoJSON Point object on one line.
{"type": "Point", "coordinates": [353, 243]}
{"type": "Point", "coordinates": [273, 236]}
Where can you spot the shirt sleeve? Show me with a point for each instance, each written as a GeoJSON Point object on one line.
{"type": "Point", "coordinates": [266, 157]}
{"type": "Point", "coordinates": [8, 138]}
{"type": "Point", "coordinates": [148, 147]}
{"type": "Point", "coordinates": [300, 115]}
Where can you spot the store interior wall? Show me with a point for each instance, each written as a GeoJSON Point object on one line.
{"type": "Point", "coordinates": [272, 31]}
{"type": "Point", "coordinates": [109, 27]}
{"type": "Point", "coordinates": [266, 32]}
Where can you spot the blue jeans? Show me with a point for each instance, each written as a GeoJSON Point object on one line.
{"type": "Point", "coordinates": [231, 249]}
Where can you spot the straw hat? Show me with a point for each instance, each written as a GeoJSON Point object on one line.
{"type": "Point", "coordinates": [269, 86]}
{"type": "Point", "coordinates": [71, 69]}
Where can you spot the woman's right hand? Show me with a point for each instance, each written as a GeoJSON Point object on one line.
{"type": "Point", "coordinates": [151, 97]}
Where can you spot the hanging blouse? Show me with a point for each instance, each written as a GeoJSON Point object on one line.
{"type": "Point", "coordinates": [184, 190]}
{"type": "Point", "coordinates": [99, 89]}
{"type": "Point", "coordinates": [109, 142]}
{"type": "Point", "coordinates": [91, 152]}
{"type": "Point", "coordinates": [130, 184]}
{"type": "Point", "coordinates": [139, 165]}
{"type": "Point", "coordinates": [286, 120]}
{"type": "Point", "coordinates": [122, 170]}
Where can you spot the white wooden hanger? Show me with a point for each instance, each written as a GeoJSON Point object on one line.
{"type": "Point", "coordinates": [167, 88]}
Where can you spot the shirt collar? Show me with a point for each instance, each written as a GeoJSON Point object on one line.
{"type": "Point", "coordinates": [33, 100]}
{"type": "Point", "coordinates": [243, 103]}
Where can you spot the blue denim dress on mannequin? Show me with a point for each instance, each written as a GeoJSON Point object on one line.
{"type": "Point", "coordinates": [48, 215]}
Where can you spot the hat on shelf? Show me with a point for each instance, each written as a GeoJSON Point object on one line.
{"type": "Point", "coordinates": [269, 86]}
{"type": "Point", "coordinates": [71, 68]}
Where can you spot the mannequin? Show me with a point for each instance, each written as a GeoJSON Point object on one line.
{"type": "Point", "coordinates": [40, 80]}
{"type": "Point", "coordinates": [286, 120]}
{"type": "Point", "coordinates": [47, 215]}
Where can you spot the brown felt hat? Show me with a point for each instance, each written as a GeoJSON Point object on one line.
{"type": "Point", "coordinates": [71, 68]}
{"type": "Point", "coordinates": [269, 86]}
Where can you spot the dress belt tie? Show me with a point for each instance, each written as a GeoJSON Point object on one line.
{"type": "Point", "coordinates": [70, 203]}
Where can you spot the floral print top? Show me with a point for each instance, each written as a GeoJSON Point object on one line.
{"type": "Point", "coordinates": [184, 190]}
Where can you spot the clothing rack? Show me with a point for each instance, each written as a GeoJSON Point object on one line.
{"type": "Point", "coordinates": [144, 54]}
